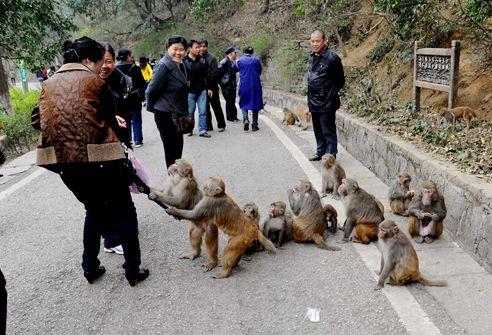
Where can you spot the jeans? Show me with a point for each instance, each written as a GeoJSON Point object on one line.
{"type": "Point", "coordinates": [136, 123]}
{"type": "Point", "coordinates": [246, 117]}
{"type": "Point", "coordinates": [325, 131]}
{"type": "Point", "coordinates": [199, 100]}
{"type": "Point", "coordinates": [171, 140]}
{"type": "Point", "coordinates": [103, 189]}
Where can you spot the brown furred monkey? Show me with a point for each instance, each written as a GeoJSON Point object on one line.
{"type": "Point", "coordinates": [400, 195]}
{"type": "Point", "coordinates": [301, 112]}
{"type": "Point", "coordinates": [331, 216]}
{"type": "Point", "coordinates": [217, 206]}
{"type": "Point", "coordinates": [364, 212]}
{"type": "Point", "coordinates": [289, 118]}
{"type": "Point", "coordinates": [181, 191]}
{"type": "Point", "coordinates": [278, 225]}
{"type": "Point", "coordinates": [252, 213]}
{"type": "Point", "coordinates": [427, 212]}
{"type": "Point", "coordinates": [399, 260]}
{"type": "Point", "coordinates": [309, 220]}
{"type": "Point", "coordinates": [332, 174]}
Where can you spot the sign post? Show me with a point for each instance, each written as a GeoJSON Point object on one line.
{"type": "Point", "coordinates": [436, 69]}
{"type": "Point", "coordinates": [23, 75]}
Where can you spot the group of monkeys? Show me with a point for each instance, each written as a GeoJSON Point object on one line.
{"type": "Point", "coordinates": [211, 208]}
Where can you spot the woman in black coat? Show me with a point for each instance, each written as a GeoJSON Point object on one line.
{"type": "Point", "coordinates": [168, 90]}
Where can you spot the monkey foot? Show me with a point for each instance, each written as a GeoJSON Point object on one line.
{"type": "Point", "coordinates": [419, 239]}
{"type": "Point", "coordinates": [378, 287]}
{"type": "Point", "coordinates": [190, 255]}
{"type": "Point", "coordinates": [377, 272]}
{"type": "Point", "coordinates": [246, 258]}
{"type": "Point", "coordinates": [343, 241]}
{"type": "Point", "coordinates": [209, 266]}
{"type": "Point", "coordinates": [220, 275]}
{"type": "Point", "coordinates": [428, 239]}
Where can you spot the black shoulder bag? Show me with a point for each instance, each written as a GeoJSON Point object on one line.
{"type": "Point", "coordinates": [183, 123]}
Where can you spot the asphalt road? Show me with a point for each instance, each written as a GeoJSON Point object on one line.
{"type": "Point", "coordinates": [41, 245]}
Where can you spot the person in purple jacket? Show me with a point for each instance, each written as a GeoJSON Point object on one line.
{"type": "Point", "coordinates": [250, 91]}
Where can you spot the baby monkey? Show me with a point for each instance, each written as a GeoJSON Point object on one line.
{"type": "Point", "coordinates": [332, 174]}
{"type": "Point", "coordinates": [399, 260]}
{"type": "Point", "coordinates": [278, 226]}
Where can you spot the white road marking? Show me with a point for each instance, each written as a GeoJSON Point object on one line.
{"type": "Point", "coordinates": [21, 183]}
{"type": "Point", "coordinates": [411, 314]}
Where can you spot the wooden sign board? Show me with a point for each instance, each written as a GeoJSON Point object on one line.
{"type": "Point", "coordinates": [436, 69]}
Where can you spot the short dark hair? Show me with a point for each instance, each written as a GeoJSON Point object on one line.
{"type": "Point", "coordinates": [107, 47]}
{"type": "Point", "coordinates": [319, 32]}
{"type": "Point", "coordinates": [176, 39]}
{"type": "Point", "coordinates": [123, 53]}
{"type": "Point", "coordinates": [143, 60]}
{"type": "Point", "coordinates": [248, 50]}
{"type": "Point", "coordinates": [192, 42]}
{"type": "Point", "coordinates": [204, 41]}
{"type": "Point", "coordinates": [81, 48]}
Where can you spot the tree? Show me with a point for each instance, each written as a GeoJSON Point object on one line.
{"type": "Point", "coordinates": [32, 30]}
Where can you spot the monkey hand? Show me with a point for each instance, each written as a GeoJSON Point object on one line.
{"type": "Point", "coordinates": [378, 287]}
{"type": "Point", "coordinates": [152, 195]}
{"type": "Point", "coordinates": [420, 215]}
{"type": "Point", "coordinates": [410, 194]}
{"type": "Point", "coordinates": [173, 211]}
{"type": "Point", "coordinates": [435, 217]}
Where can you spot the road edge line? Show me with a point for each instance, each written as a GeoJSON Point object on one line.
{"type": "Point", "coordinates": [21, 183]}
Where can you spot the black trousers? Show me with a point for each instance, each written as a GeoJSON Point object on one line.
{"type": "Point", "coordinates": [325, 131]}
{"type": "Point", "coordinates": [172, 141]}
{"type": "Point", "coordinates": [103, 189]}
{"type": "Point", "coordinates": [230, 98]}
{"type": "Point", "coordinates": [214, 101]}
{"type": "Point", "coordinates": [3, 305]}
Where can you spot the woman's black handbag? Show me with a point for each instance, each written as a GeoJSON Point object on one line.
{"type": "Point", "coordinates": [183, 122]}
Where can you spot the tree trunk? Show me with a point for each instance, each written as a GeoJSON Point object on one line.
{"type": "Point", "coordinates": [4, 90]}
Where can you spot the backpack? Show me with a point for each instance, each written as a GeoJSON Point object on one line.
{"type": "Point", "coordinates": [126, 83]}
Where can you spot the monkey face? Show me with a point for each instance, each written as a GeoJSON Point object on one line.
{"type": "Point", "coordinates": [306, 185]}
{"type": "Point", "coordinates": [184, 168]}
{"type": "Point", "coordinates": [328, 160]}
{"type": "Point", "coordinates": [213, 186]}
{"type": "Point", "coordinates": [276, 209]}
{"type": "Point", "coordinates": [387, 229]}
{"type": "Point", "coordinates": [251, 210]}
{"type": "Point", "coordinates": [297, 186]}
{"type": "Point", "coordinates": [427, 196]}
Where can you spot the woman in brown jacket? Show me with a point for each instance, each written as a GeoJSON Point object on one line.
{"type": "Point", "coordinates": [78, 141]}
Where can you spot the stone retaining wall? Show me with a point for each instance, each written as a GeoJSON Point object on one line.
{"type": "Point", "coordinates": [468, 199]}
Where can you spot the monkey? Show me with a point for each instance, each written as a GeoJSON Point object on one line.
{"type": "Point", "coordinates": [331, 216]}
{"type": "Point", "coordinates": [278, 225]}
{"type": "Point", "coordinates": [251, 211]}
{"type": "Point", "coordinates": [363, 211]}
{"type": "Point", "coordinates": [400, 195]}
{"type": "Point", "coordinates": [301, 112]}
{"type": "Point", "coordinates": [289, 117]}
{"type": "Point", "coordinates": [181, 190]}
{"type": "Point", "coordinates": [399, 260]}
{"type": "Point", "coordinates": [309, 220]}
{"type": "Point", "coordinates": [450, 116]}
{"type": "Point", "coordinates": [218, 206]}
{"type": "Point", "coordinates": [427, 212]}
{"type": "Point", "coordinates": [331, 175]}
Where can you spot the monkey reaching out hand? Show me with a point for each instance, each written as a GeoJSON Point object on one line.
{"type": "Point", "coordinates": [310, 220]}
{"type": "Point", "coordinates": [217, 206]}
{"type": "Point", "coordinates": [399, 260]}
{"type": "Point", "coordinates": [427, 212]}
{"type": "Point", "coordinates": [400, 194]}
{"type": "Point", "coordinates": [278, 225]}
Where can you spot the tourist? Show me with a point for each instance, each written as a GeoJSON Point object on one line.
{"type": "Point", "coordinates": [325, 80]}
{"type": "Point", "coordinates": [227, 82]}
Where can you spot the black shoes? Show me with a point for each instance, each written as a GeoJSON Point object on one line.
{"type": "Point", "coordinates": [254, 127]}
{"type": "Point", "coordinates": [205, 134]}
{"type": "Point", "coordinates": [246, 126]}
{"type": "Point", "coordinates": [314, 158]}
{"type": "Point", "coordinates": [141, 276]}
{"type": "Point", "coordinates": [93, 276]}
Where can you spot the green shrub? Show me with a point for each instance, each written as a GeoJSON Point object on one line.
{"type": "Point", "coordinates": [383, 46]}
{"type": "Point", "coordinates": [263, 44]}
{"type": "Point", "coordinates": [292, 61]}
{"type": "Point", "coordinates": [17, 125]}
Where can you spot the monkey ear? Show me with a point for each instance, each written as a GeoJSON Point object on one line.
{"type": "Point", "coordinates": [217, 190]}
{"type": "Point", "coordinates": [281, 211]}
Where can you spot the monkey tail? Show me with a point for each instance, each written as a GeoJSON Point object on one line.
{"type": "Point", "coordinates": [266, 243]}
{"type": "Point", "coordinates": [427, 282]}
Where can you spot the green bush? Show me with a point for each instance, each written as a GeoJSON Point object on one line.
{"type": "Point", "coordinates": [383, 46]}
{"type": "Point", "coordinates": [263, 44]}
{"type": "Point", "coordinates": [17, 125]}
{"type": "Point", "coordinates": [292, 61]}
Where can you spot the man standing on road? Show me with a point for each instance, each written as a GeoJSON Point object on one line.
{"type": "Point", "coordinates": [325, 80]}
{"type": "Point", "coordinates": [196, 67]}
{"type": "Point", "coordinates": [227, 82]}
{"type": "Point", "coordinates": [250, 91]}
{"type": "Point", "coordinates": [212, 101]}
{"type": "Point", "coordinates": [3, 291]}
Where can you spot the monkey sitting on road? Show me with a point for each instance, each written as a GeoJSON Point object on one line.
{"type": "Point", "coordinates": [289, 118]}
{"type": "Point", "coordinates": [252, 213]}
{"type": "Point", "coordinates": [332, 174]}
{"type": "Point", "coordinates": [181, 191]}
{"type": "Point", "coordinates": [400, 194]}
{"type": "Point", "coordinates": [217, 206]}
{"type": "Point", "coordinates": [399, 260]}
{"type": "Point", "coordinates": [363, 211]}
{"type": "Point", "coordinates": [278, 225]}
{"type": "Point", "coordinates": [427, 212]}
{"type": "Point", "coordinates": [331, 216]}
{"type": "Point", "coordinates": [310, 220]}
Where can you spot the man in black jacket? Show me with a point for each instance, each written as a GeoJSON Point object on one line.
{"type": "Point", "coordinates": [214, 101]}
{"type": "Point", "coordinates": [3, 291]}
{"type": "Point", "coordinates": [127, 66]}
{"type": "Point", "coordinates": [325, 80]}
{"type": "Point", "coordinates": [227, 81]}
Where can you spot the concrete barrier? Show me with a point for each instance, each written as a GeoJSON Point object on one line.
{"type": "Point", "coordinates": [468, 199]}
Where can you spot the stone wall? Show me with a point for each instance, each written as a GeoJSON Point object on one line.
{"type": "Point", "coordinates": [468, 199]}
